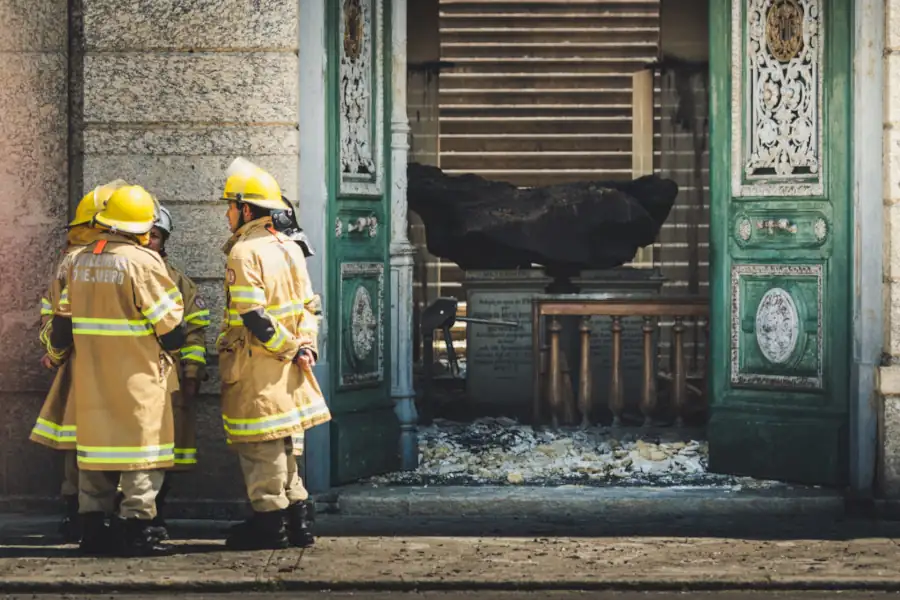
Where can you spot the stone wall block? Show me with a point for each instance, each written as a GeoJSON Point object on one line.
{"type": "Point", "coordinates": [258, 140]}
{"type": "Point", "coordinates": [196, 244]}
{"type": "Point", "coordinates": [198, 24]}
{"type": "Point", "coordinates": [204, 88]}
{"type": "Point", "coordinates": [26, 468]}
{"type": "Point", "coordinates": [892, 24]}
{"type": "Point", "coordinates": [185, 179]}
{"type": "Point", "coordinates": [33, 25]}
{"type": "Point", "coordinates": [891, 449]}
{"type": "Point", "coordinates": [893, 318]}
{"type": "Point", "coordinates": [892, 87]}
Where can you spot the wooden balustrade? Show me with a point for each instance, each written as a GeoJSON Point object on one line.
{"type": "Point", "coordinates": [551, 377]}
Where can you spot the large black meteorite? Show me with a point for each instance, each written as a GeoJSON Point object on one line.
{"type": "Point", "coordinates": [481, 224]}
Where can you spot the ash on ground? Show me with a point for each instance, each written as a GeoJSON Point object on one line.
{"type": "Point", "coordinates": [500, 451]}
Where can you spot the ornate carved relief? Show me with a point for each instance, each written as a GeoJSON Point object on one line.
{"type": "Point", "coordinates": [363, 324]}
{"type": "Point", "coordinates": [777, 97]}
{"type": "Point", "coordinates": [361, 82]}
{"type": "Point", "coordinates": [790, 341]}
{"type": "Point", "coordinates": [362, 333]}
{"type": "Point", "coordinates": [777, 326]}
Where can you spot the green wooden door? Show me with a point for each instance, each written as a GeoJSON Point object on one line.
{"type": "Point", "coordinates": [780, 231]}
{"type": "Point", "coordinates": [364, 431]}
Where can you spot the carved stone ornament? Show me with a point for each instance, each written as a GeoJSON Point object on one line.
{"type": "Point", "coordinates": [361, 80]}
{"type": "Point", "coordinates": [821, 229]}
{"type": "Point", "coordinates": [362, 324]}
{"type": "Point", "coordinates": [338, 227]}
{"type": "Point", "coordinates": [777, 108]}
{"type": "Point", "coordinates": [777, 326]}
{"type": "Point", "coordinates": [745, 229]}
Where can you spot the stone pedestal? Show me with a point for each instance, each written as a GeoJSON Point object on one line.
{"type": "Point", "coordinates": [498, 359]}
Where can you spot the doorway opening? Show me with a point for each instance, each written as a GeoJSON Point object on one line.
{"type": "Point", "coordinates": [540, 93]}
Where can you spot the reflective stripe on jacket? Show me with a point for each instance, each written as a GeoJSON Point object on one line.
{"type": "Point", "coordinates": [191, 364]}
{"type": "Point", "coordinates": [266, 396]}
{"type": "Point", "coordinates": [55, 426]}
{"type": "Point", "coordinates": [120, 299]}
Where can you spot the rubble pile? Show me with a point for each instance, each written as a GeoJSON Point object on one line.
{"type": "Point", "coordinates": [499, 451]}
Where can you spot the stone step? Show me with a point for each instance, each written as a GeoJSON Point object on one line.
{"type": "Point", "coordinates": [548, 35]}
{"type": "Point", "coordinates": [525, 96]}
{"type": "Point", "coordinates": [608, 504]}
{"type": "Point", "coordinates": [621, 65]}
{"type": "Point", "coordinates": [451, 51]}
{"type": "Point", "coordinates": [471, 20]}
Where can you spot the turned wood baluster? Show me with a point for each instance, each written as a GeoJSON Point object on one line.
{"type": "Point", "coordinates": [584, 374]}
{"type": "Point", "coordinates": [556, 382]}
{"type": "Point", "coordinates": [679, 375]}
{"type": "Point", "coordinates": [648, 397]}
{"type": "Point", "coordinates": [616, 391]}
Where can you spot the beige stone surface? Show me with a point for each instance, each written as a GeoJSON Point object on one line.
{"type": "Point", "coordinates": [410, 562]}
{"type": "Point", "coordinates": [33, 25]}
{"type": "Point", "coordinates": [891, 459]}
{"type": "Point", "coordinates": [257, 140]}
{"type": "Point", "coordinates": [217, 87]}
{"type": "Point", "coordinates": [892, 24]}
{"type": "Point", "coordinates": [186, 179]}
{"type": "Point", "coordinates": [200, 24]}
{"type": "Point", "coordinates": [892, 86]}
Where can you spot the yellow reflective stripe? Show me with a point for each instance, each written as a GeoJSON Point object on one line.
{"type": "Point", "coordinates": [194, 353]}
{"type": "Point", "coordinates": [201, 317]}
{"type": "Point", "coordinates": [64, 296]}
{"type": "Point", "coordinates": [166, 305]}
{"type": "Point", "coordinates": [243, 294]}
{"type": "Point", "coordinates": [277, 341]}
{"type": "Point", "coordinates": [111, 327]}
{"type": "Point", "coordinates": [185, 456]}
{"type": "Point", "coordinates": [247, 427]}
{"type": "Point", "coordinates": [52, 431]}
{"type": "Point", "coordinates": [234, 318]}
{"type": "Point", "coordinates": [125, 454]}
{"type": "Point", "coordinates": [46, 307]}
{"type": "Point", "coordinates": [287, 309]}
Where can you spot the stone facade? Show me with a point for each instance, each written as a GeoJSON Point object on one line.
{"type": "Point", "coordinates": [33, 191]}
{"type": "Point", "coordinates": [890, 373]}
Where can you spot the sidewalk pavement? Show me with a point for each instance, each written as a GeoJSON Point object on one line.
{"type": "Point", "coordinates": [410, 554]}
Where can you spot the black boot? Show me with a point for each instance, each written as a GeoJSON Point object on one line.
{"type": "Point", "coordinates": [70, 526]}
{"type": "Point", "coordinates": [158, 524]}
{"type": "Point", "coordinates": [262, 531]}
{"type": "Point", "coordinates": [298, 519]}
{"type": "Point", "coordinates": [96, 538]}
{"type": "Point", "coordinates": [133, 538]}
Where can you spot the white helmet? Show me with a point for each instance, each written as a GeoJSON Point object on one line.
{"type": "Point", "coordinates": [164, 219]}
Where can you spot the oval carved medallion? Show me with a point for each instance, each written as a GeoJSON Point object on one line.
{"type": "Point", "coordinates": [784, 29]}
{"type": "Point", "coordinates": [777, 326]}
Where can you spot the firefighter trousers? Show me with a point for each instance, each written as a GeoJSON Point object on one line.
{"type": "Point", "coordinates": [271, 474]}
{"type": "Point", "coordinates": [70, 473]}
{"type": "Point", "coordinates": [97, 492]}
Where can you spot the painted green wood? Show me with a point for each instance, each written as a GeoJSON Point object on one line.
{"type": "Point", "coordinates": [784, 420]}
{"type": "Point", "coordinates": [364, 431]}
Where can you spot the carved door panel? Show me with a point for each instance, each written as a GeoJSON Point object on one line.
{"type": "Point", "coordinates": [365, 432]}
{"type": "Point", "coordinates": [780, 228]}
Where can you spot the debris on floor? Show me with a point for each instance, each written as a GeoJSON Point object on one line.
{"type": "Point", "coordinates": [500, 451]}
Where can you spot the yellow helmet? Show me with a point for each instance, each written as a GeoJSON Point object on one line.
{"type": "Point", "coordinates": [248, 183]}
{"type": "Point", "coordinates": [94, 201]}
{"type": "Point", "coordinates": [130, 209]}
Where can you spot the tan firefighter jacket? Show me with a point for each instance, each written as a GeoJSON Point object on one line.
{"type": "Point", "coordinates": [120, 298]}
{"type": "Point", "coordinates": [55, 426]}
{"type": "Point", "coordinates": [266, 396]}
{"type": "Point", "coordinates": [191, 364]}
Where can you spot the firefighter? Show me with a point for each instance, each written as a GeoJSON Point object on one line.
{"type": "Point", "coordinates": [55, 426]}
{"type": "Point", "coordinates": [122, 313]}
{"type": "Point", "coordinates": [190, 363]}
{"type": "Point", "coordinates": [267, 349]}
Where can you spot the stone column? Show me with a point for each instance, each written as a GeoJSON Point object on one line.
{"type": "Point", "coordinates": [402, 251]}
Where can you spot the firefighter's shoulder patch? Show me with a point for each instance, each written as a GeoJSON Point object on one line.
{"type": "Point", "coordinates": [199, 302]}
